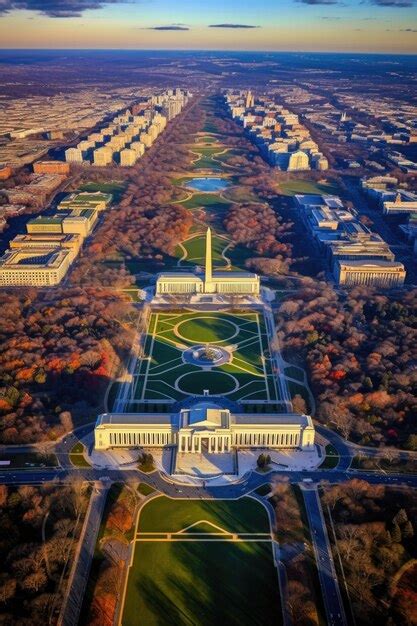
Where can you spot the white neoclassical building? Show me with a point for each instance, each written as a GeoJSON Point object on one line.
{"type": "Point", "coordinates": [210, 282]}
{"type": "Point", "coordinates": [204, 427]}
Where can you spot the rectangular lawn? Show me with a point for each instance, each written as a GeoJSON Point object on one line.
{"type": "Point", "coordinates": [204, 583]}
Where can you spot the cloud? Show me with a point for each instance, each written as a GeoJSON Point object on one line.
{"type": "Point", "coordinates": [396, 4]}
{"type": "Point", "coordinates": [172, 27]}
{"type": "Point", "coordinates": [55, 8]}
{"type": "Point", "coordinates": [330, 17]}
{"type": "Point", "coordinates": [232, 26]}
{"type": "Point", "coordinates": [319, 2]}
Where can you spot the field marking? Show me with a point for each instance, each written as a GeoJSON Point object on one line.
{"type": "Point", "coordinates": [184, 538]}
{"type": "Point", "coordinates": [155, 367]}
{"type": "Point", "coordinates": [203, 521]}
{"type": "Point", "coordinates": [239, 367]}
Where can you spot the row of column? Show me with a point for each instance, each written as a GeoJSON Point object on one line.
{"type": "Point", "coordinates": [267, 439]}
{"type": "Point", "coordinates": [194, 444]}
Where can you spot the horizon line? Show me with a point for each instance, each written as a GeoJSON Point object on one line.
{"type": "Point", "coordinates": [285, 51]}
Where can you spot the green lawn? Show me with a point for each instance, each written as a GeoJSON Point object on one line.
{"type": "Point", "coordinates": [331, 459]}
{"type": "Point", "coordinates": [292, 187]}
{"type": "Point", "coordinates": [196, 250]}
{"type": "Point", "coordinates": [294, 372]}
{"type": "Point", "coordinates": [115, 188]}
{"type": "Point", "coordinates": [166, 376]}
{"type": "Point", "coordinates": [168, 515]}
{"type": "Point", "coordinates": [202, 583]}
{"type": "Point", "coordinates": [145, 490]}
{"type": "Point", "coordinates": [212, 200]}
{"type": "Point", "coordinates": [76, 456]}
{"type": "Point", "coordinates": [298, 389]}
{"type": "Point", "coordinates": [208, 151]}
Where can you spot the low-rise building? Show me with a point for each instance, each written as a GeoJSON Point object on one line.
{"type": "Point", "coordinates": [51, 167]}
{"type": "Point", "coordinates": [96, 200]}
{"type": "Point", "coordinates": [37, 267]}
{"type": "Point", "coordinates": [372, 273]}
{"type": "Point", "coordinates": [27, 241]}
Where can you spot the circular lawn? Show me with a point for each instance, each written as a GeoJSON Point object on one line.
{"type": "Point", "coordinates": [218, 383]}
{"type": "Point", "coordinates": [206, 329]}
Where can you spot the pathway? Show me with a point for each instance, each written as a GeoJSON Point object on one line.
{"type": "Point", "coordinates": [71, 607]}
{"type": "Point", "coordinates": [324, 559]}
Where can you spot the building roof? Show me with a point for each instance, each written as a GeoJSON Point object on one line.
{"type": "Point", "coordinates": [141, 419]}
{"type": "Point", "coordinates": [202, 416]}
{"type": "Point", "coordinates": [370, 264]}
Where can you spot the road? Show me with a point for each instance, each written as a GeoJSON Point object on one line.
{"type": "Point", "coordinates": [332, 598]}
{"type": "Point", "coordinates": [77, 582]}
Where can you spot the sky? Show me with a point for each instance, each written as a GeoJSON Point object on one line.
{"type": "Point", "coordinates": [293, 25]}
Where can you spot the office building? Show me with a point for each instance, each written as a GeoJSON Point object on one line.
{"type": "Point", "coordinates": [38, 267]}
{"type": "Point", "coordinates": [372, 273]}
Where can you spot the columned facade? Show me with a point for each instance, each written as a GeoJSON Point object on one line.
{"type": "Point", "coordinates": [204, 429]}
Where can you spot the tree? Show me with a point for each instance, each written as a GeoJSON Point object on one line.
{"type": "Point", "coordinates": [7, 590]}
{"type": "Point", "coordinates": [411, 443]}
{"type": "Point", "coordinates": [36, 581]}
{"type": "Point", "coordinates": [400, 518]}
{"type": "Point", "coordinates": [408, 530]}
{"type": "Point", "coordinates": [263, 461]}
{"type": "Point", "coordinates": [396, 533]}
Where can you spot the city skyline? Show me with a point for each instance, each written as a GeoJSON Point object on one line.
{"type": "Point", "coordinates": [307, 25]}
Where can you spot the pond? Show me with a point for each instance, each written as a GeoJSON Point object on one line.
{"type": "Point", "coordinates": [207, 184]}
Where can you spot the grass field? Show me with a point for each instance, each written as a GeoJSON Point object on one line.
{"type": "Point", "coordinates": [213, 201]}
{"type": "Point", "coordinates": [115, 188]}
{"type": "Point", "coordinates": [196, 250]}
{"type": "Point", "coordinates": [200, 575]}
{"type": "Point", "coordinates": [163, 374]}
{"type": "Point", "coordinates": [292, 187]}
{"type": "Point", "coordinates": [76, 456]}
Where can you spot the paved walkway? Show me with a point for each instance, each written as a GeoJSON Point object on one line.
{"type": "Point", "coordinates": [332, 598]}
{"type": "Point", "coordinates": [71, 608]}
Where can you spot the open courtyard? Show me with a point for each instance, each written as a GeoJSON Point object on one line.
{"type": "Point", "coordinates": [202, 562]}
{"type": "Point", "coordinates": [167, 373]}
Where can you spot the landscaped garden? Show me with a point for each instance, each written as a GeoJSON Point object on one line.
{"type": "Point", "coordinates": [164, 374]}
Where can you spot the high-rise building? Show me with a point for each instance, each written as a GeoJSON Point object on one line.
{"type": "Point", "coordinates": [250, 100]}
{"type": "Point", "coordinates": [298, 161]}
{"type": "Point", "coordinates": [103, 156]}
{"type": "Point", "coordinates": [73, 155]}
{"type": "Point", "coordinates": [128, 158]}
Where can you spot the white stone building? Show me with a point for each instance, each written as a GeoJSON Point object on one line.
{"type": "Point", "coordinates": [205, 427]}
